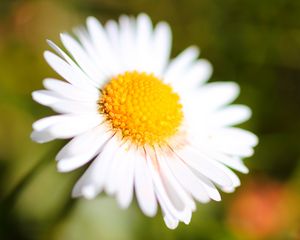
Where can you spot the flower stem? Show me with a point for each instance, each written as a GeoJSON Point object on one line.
{"type": "Point", "coordinates": [10, 200]}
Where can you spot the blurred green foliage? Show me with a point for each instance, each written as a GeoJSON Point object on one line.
{"type": "Point", "coordinates": [255, 43]}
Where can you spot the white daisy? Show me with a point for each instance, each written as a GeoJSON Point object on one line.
{"type": "Point", "coordinates": [145, 123]}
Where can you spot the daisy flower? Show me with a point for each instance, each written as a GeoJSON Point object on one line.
{"type": "Point", "coordinates": [147, 125]}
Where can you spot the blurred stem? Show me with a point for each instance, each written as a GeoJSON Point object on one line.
{"type": "Point", "coordinates": [10, 200]}
{"type": "Point", "coordinates": [8, 220]}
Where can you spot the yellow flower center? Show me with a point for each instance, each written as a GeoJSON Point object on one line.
{"type": "Point", "coordinates": [142, 107]}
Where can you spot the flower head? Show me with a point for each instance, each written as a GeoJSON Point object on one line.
{"type": "Point", "coordinates": [145, 123]}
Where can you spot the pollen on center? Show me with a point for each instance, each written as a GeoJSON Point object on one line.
{"type": "Point", "coordinates": [142, 107]}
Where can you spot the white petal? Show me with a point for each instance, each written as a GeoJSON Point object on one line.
{"type": "Point", "coordinates": [212, 156]}
{"type": "Point", "coordinates": [98, 57]}
{"type": "Point", "coordinates": [41, 137]}
{"type": "Point", "coordinates": [70, 163]}
{"type": "Point", "coordinates": [212, 96]}
{"type": "Point", "coordinates": [68, 91]}
{"type": "Point", "coordinates": [196, 75]}
{"type": "Point", "coordinates": [62, 105]}
{"type": "Point", "coordinates": [89, 191]}
{"type": "Point", "coordinates": [201, 72]}
{"type": "Point", "coordinates": [161, 47]}
{"type": "Point", "coordinates": [74, 68]}
{"type": "Point", "coordinates": [94, 177]}
{"type": "Point", "coordinates": [233, 177]}
{"type": "Point", "coordinates": [106, 57]}
{"type": "Point", "coordinates": [167, 174]}
{"type": "Point", "coordinates": [83, 60]}
{"type": "Point", "coordinates": [187, 179]}
{"type": "Point", "coordinates": [165, 194]}
{"type": "Point", "coordinates": [208, 185]}
{"type": "Point", "coordinates": [143, 42]}
{"type": "Point", "coordinates": [179, 65]}
{"type": "Point", "coordinates": [61, 53]}
{"type": "Point", "coordinates": [204, 165]}
{"type": "Point", "coordinates": [46, 122]}
{"type": "Point", "coordinates": [170, 221]}
{"type": "Point", "coordinates": [234, 136]}
{"type": "Point", "coordinates": [70, 73]}
{"type": "Point", "coordinates": [64, 126]}
{"type": "Point", "coordinates": [79, 144]}
{"type": "Point", "coordinates": [228, 189]}
{"type": "Point", "coordinates": [128, 43]}
{"type": "Point", "coordinates": [144, 187]}
{"type": "Point", "coordinates": [231, 115]}
{"type": "Point", "coordinates": [77, 125]}
{"type": "Point", "coordinates": [71, 106]}
{"type": "Point", "coordinates": [113, 36]}
{"type": "Point", "coordinates": [45, 97]}
{"type": "Point", "coordinates": [235, 150]}
{"type": "Point", "coordinates": [125, 179]}
{"type": "Point", "coordinates": [111, 184]}
{"type": "Point", "coordinates": [233, 162]}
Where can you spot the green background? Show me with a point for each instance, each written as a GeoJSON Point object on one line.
{"type": "Point", "coordinates": [255, 43]}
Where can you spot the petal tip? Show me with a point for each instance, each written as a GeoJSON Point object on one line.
{"type": "Point", "coordinates": [89, 192]}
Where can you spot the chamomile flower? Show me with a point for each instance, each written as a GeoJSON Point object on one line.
{"type": "Point", "coordinates": [147, 125]}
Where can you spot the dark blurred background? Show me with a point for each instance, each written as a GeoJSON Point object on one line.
{"type": "Point", "coordinates": [255, 43]}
